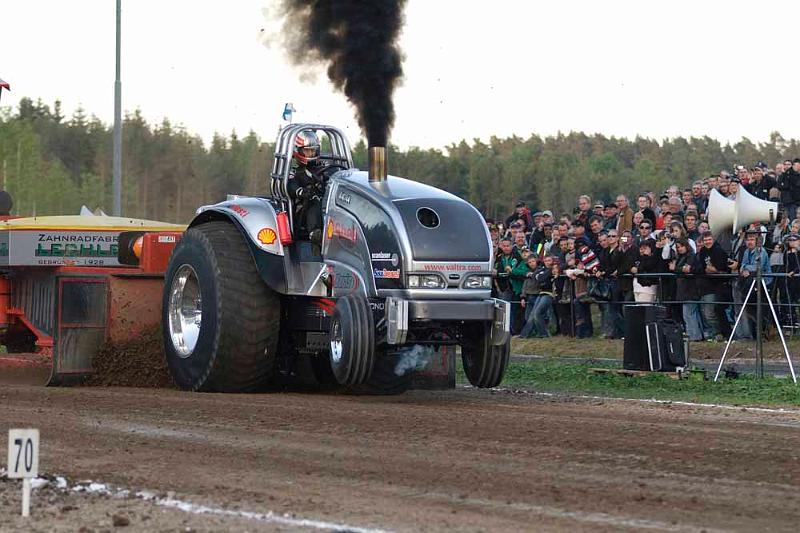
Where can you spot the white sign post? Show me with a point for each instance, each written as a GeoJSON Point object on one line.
{"type": "Point", "coordinates": [23, 461]}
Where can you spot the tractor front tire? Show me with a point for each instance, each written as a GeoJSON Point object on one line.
{"type": "Point", "coordinates": [352, 340]}
{"type": "Point", "coordinates": [220, 321]}
{"type": "Point", "coordinates": [484, 363]}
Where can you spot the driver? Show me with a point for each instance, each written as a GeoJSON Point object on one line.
{"type": "Point", "coordinates": [306, 184]}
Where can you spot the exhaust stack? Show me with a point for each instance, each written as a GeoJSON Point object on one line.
{"type": "Point", "coordinates": [377, 163]}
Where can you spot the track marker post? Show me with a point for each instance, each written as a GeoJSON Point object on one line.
{"type": "Point", "coordinates": [23, 461]}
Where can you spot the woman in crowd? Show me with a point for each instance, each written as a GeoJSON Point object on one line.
{"type": "Point", "coordinates": [562, 296]}
{"type": "Point", "coordinates": [649, 262]}
{"type": "Point", "coordinates": [686, 290]}
{"type": "Point", "coordinates": [638, 217]}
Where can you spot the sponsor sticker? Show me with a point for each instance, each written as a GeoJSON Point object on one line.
{"type": "Point", "coordinates": [239, 210]}
{"type": "Point", "coordinates": [385, 273]}
{"type": "Point", "coordinates": [267, 236]}
{"type": "Point", "coordinates": [452, 267]}
{"type": "Point", "coordinates": [385, 257]}
{"type": "Point", "coordinates": [76, 245]}
{"type": "Point", "coordinates": [346, 233]}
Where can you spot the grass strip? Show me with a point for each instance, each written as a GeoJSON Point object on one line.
{"type": "Point", "coordinates": [550, 375]}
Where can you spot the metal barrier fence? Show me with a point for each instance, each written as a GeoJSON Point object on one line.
{"type": "Point", "coordinates": [779, 291]}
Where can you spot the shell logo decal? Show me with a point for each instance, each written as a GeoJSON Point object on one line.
{"type": "Point", "coordinates": [329, 229]}
{"type": "Point", "coordinates": [267, 236]}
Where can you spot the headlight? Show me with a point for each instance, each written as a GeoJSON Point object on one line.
{"type": "Point", "coordinates": [478, 282]}
{"type": "Point", "coordinates": [425, 281]}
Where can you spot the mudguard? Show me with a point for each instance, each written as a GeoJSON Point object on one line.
{"type": "Point", "coordinates": [256, 218]}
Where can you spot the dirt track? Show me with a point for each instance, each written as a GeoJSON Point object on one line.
{"type": "Point", "coordinates": [466, 460]}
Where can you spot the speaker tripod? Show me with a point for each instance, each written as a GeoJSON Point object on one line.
{"type": "Point", "coordinates": [762, 289]}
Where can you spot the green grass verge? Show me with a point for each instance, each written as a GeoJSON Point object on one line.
{"type": "Point", "coordinates": [612, 349]}
{"type": "Point", "coordinates": [554, 376]}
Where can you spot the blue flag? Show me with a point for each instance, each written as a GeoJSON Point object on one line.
{"type": "Point", "coordinates": [288, 109]}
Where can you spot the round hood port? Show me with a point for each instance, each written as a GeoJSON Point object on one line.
{"type": "Point", "coordinates": [428, 217]}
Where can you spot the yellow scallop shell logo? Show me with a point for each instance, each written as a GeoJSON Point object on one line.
{"type": "Point", "coordinates": [267, 236]}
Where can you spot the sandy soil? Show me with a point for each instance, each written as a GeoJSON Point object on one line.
{"type": "Point", "coordinates": [465, 459]}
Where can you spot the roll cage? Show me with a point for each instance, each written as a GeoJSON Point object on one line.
{"type": "Point", "coordinates": [282, 163]}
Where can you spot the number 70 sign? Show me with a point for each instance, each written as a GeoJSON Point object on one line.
{"type": "Point", "coordinates": [23, 453]}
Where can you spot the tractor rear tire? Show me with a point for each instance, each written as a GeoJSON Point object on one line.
{"type": "Point", "coordinates": [484, 363]}
{"type": "Point", "coordinates": [352, 340]}
{"type": "Point", "coordinates": [231, 344]}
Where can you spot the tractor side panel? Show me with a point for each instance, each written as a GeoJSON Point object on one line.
{"type": "Point", "coordinates": [344, 244]}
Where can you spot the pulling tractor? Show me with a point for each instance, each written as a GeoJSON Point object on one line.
{"type": "Point", "coordinates": [401, 267]}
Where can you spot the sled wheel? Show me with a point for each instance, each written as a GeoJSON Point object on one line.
{"type": "Point", "coordinates": [219, 319]}
{"type": "Point", "coordinates": [484, 364]}
{"type": "Point", "coordinates": [352, 340]}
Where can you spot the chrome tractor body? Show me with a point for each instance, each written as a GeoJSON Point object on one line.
{"type": "Point", "coordinates": [401, 266]}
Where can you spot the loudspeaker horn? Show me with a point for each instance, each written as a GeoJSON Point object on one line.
{"type": "Point", "coordinates": [750, 209]}
{"type": "Point", "coordinates": [721, 212]}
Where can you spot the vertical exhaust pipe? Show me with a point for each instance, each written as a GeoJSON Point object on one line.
{"type": "Point", "coordinates": [377, 163]}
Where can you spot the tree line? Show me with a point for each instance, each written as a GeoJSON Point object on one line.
{"type": "Point", "coordinates": [51, 164]}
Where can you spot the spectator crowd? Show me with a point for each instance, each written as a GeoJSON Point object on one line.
{"type": "Point", "coordinates": [553, 267]}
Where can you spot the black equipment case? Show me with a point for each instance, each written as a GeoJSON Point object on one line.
{"type": "Point", "coordinates": [665, 346]}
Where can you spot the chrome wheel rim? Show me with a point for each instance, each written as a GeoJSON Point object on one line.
{"type": "Point", "coordinates": [185, 311]}
{"type": "Point", "coordinates": [337, 348]}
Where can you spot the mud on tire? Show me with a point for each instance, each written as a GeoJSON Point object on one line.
{"type": "Point", "coordinates": [484, 364]}
{"type": "Point", "coordinates": [239, 316]}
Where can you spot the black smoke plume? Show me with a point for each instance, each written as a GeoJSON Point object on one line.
{"type": "Point", "coordinates": [357, 39]}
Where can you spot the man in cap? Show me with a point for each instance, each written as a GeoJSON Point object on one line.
{"type": "Point", "coordinates": [789, 185]}
{"type": "Point", "coordinates": [760, 183]}
{"type": "Point", "coordinates": [610, 216]}
{"type": "Point", "coordinates": [521, 211]}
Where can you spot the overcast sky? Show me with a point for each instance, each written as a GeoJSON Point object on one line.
{"type": "Point", "coordinates": [473, 68]}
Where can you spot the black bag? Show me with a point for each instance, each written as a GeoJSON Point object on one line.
{"type": "Point", "coordinates": [598, 290]}
{"type": "Point", "coordinates": [665, 346]}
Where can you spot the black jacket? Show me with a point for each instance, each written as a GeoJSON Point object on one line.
{"type": "Point", "coordinates": [650, 264]}
{"type": "Point", "coordinates": [761, 189]}
{"type": "Point", "coordinates": [622, 262]}
{"type": "Point", "coordinates": [717, 257]}
{"type": "Point", "coordinates": [686, 286]}
{"type": "Point", "coordinates": [792, 262]}
{"type": "Point", "coordinates": [650, 215]}
{"type": "Point", "coordinates": [789, 184]}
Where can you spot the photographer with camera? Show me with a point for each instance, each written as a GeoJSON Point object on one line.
{"type": "Point", "coordinates": [649, 262]}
